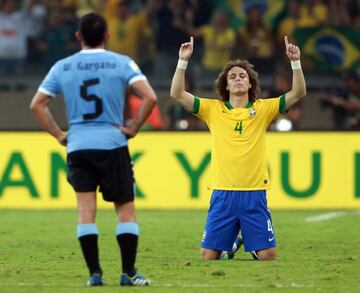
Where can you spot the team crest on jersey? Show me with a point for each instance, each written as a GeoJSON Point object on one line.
{"type": "Point", "coordinates": [252, 112]}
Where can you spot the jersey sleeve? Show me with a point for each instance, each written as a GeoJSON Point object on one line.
{"type": "Point", "coordinates": [132, 72]}
{"type": "Point", "coordinates": [202, 108]}
{"type": "Point", "coordinates": [274, 107]}
{"type": "Point", "coordinates": [51, 85]}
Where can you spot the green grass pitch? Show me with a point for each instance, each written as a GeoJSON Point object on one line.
{"type": "Point", "coordinates": [39, 252]}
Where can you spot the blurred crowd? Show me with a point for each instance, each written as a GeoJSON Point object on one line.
{"type": "Point", "coordinates": [36, 33]}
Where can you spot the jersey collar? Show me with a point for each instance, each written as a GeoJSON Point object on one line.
{"type": "Point", "coordinates": [229, 106]}
{"type": "Point", "coordinates": [90, 51]}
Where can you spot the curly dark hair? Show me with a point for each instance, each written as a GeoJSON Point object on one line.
{"type": "Point", "coordinates": [221, 81]}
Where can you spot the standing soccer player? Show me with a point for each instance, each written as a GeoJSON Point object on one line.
{"type": "Point", "coordinates": [238, 123]}
{"type": "Point", "coordinates": [93, 82]}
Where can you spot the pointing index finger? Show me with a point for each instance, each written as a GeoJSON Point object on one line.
{"type": "Point", "coordinates": [286, 41]}
{"type": "Point", "coordinates": [192, 41]}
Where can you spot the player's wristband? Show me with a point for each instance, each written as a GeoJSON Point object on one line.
{"type": "Point", "coordinates": [295, 64]}
{"type": "Point", "coordinates": [182, 64]}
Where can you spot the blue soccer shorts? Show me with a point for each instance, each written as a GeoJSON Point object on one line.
{"type": "Point", "coordinates": [231, 211]}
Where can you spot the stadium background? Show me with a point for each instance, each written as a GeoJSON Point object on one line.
{"type": "Point", "coordinates": [314, 154]}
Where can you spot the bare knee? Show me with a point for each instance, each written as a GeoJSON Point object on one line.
{"type": "Point", "coordinates": [126, 212]}
{"type": "Point", "coordinates": [87, 216]}
{"type": "Point", "coordinates": [86, 207]}
{"type": "Point", "coordinates": [267, 254]}
{"type": "Point", "coordinates": [209, 254]}
{"type": "Point", "coordinates": [127, 216]}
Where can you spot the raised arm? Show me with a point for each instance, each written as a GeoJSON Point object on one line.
{"type": "Point", "coordinates": [177, 90]}
{"type": "Point", "coordinates": [298, 88]}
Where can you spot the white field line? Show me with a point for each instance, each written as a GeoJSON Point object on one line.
{"type": "Point", "coordinates": [332, 215]}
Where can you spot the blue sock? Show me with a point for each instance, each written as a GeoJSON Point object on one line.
{"type": "Point", "coordinates": [127, 228]}
{"type": "Point", "coordinates": [86, 229]}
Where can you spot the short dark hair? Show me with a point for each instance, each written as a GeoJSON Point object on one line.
{"type": "Point", "coordinates": [93, 28]}
{"type": "Point", "coordinates": [221, 82]}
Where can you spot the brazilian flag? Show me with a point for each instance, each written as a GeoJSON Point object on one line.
{"type": "Point", "coordinates": [329, 48]}
{"type": "Point", "coordinates": [238, 8]}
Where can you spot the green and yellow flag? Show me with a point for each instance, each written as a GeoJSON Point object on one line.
{"type": "Point", "coordinates": [329, 48]}
{"type": "Point", "coordinates": [237, 9]}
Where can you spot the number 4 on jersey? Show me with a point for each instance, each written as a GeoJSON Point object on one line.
{"type": "Point", "coordinates": [239, 127]}
{"type": "Point", "coordinates": [270, 227]}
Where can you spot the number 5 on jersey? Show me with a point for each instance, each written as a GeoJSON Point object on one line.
{"type": "Point", "coordinates": [89, 98]}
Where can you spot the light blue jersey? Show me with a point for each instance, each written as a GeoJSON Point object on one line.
{"type": "Point", "coordinates": [93, 83]}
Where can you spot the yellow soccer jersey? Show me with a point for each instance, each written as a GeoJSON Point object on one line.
{"type": "Point", "coordinates": [238, 157]}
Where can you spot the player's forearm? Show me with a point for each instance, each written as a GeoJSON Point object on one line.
{"type": "Point", "coordinates": [46, 121]}
{"type": "Point", "coordinates": [178, 84]}
{"type": "Point", "coordinates": [143, 113]}
{"type": "Point", "coordinates": [177, 90]}
{"type": "Point", "coordinates": [298, 84]}
{"type": "Point", "coordinates": [298, 88]}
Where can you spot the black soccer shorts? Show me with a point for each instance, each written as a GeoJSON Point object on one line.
{"type": "Point", "coordinates": [110, 169]}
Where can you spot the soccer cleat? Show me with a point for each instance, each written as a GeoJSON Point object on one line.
{"type": "Point", "coordinates": [95, 280]}
{"type": "Point", "coordinates": [136, 280]}
{"type": "Point", "coordinates": [254, 255]}
{"type": "Point", "coordinates": [230, 254]}
{"type": "Point", "coordinates": [237, 244]}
